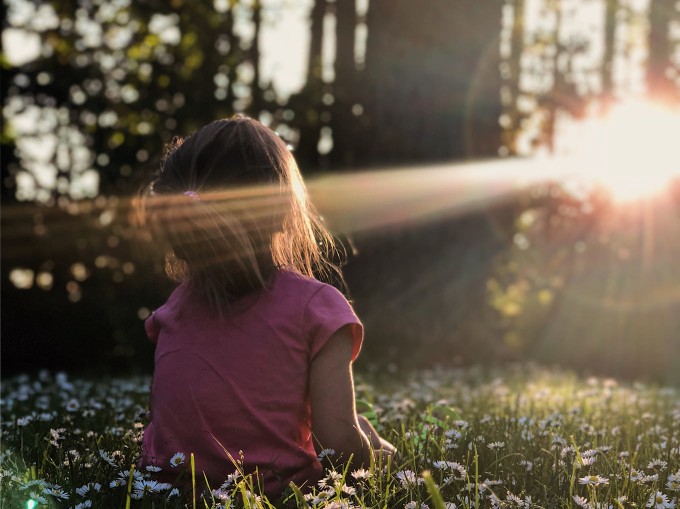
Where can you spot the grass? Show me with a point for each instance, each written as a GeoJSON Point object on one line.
{"type": "Point", "coordinates": [518, 437]}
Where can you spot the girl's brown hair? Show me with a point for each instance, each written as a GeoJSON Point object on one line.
{"type": "Point", "coordinates": [230, 207]}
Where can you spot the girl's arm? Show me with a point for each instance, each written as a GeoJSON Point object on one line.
{"type": "Point", "coordinates": [335, 424]}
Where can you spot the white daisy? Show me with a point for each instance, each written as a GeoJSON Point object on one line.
{"type": "Point", "coordinates": [581, 502]}
{"type": "Point", "coordinates": [56, 491]}
{"type": "Point", "coordinates": [361, 473]}
{"type": "Point", "coordinates": [177, 459]}
{"type": "Point", "coordinates": [593, 480]}
{"type": "Point", "coordinates": [660, 501]}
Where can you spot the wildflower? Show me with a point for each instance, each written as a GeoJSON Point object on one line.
{"type": "Point", "coordinates": [660, 464]}
{"type": "Point", "coordinates": [659, 501]}
{"type": "Point", "coordinates": [318, 498]}
{"type": "Point", "coordinates": [38, 498]}
{"type": "Point", "coordinates": [514, 499]}
{"type": "Point", "coordinates": [494, 500]}
{"type": "Point", "coordinates": [581, 502]}
{"type": "Point", "coordinates": [450, 444]}
{"type": "Point", "coordinates": [177, 459]}
{"type": "Point", "coordinates": [586, 461]}
{"type": "Point", "coordinates": [221, 494]}
{"type": "Point", "coordinates": [117, 483]}
{"type": "Point", "coordinates": [107, 459]}
{"type": "Point", "coordinates": [593, 480]}
{"type": "Point", "coordinates": [85, 489]}
{"type": "Point", "coordinates": [72, 405]}
{"type": "Point", "coordinates": [35, 482]}
{"type": "Point", "coordinates": [673, 483]}
{"type": "Point", "coordinates": [458, 470]}
{"type": "Point", "coordinates": [411, 505]}
{"type": "Point", "coordinates": [330, 480]}
{"type": "Point", "coordinates": [231, 478]}
{"type": "Point", "coordinates": [566, 451]}
{"type": "Point", "coordinates": [349, 490]}
{"type": "Point", "coordinates": [635, 475]}
{"type": "Point", "coordinates": [153, 468]}
{"type": "Point", "coordinates": [326, 452]}
{"type": "Point", "coordinates": [125, 475]}
{"type": "Point", "coordinates": [56, 491]}
{"type": "Point", "coordinates": [83, 505]}
{"type": "Point", "coordinates": [56, 435]}
{"type": "Point", "coordinates": [361, 473]}
{"type": "Point", "coordinates": [453, 434]}
{"type": "Point", "coordinates": [495, 445]}
{"type": "Point", "coordinates": [408, 478]}
{"type": "Point", "coordinates": [339, 504]}
{"type": "Point", "coordinates": [24, 421]}
{"type": "Point", "coordinates": [174, 492]}
{"type": "Point", "coordinates": [142, 487]}
{"type": "Point", "coordinates": [527, 464]}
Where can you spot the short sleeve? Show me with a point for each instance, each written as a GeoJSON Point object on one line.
{"type": "Point", "coordinates": [151, 328]}
{"type": "Point", "coordinates": [326, 313]}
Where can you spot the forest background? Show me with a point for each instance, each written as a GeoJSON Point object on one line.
{"type": "Point", "coordinates": [427, 132]}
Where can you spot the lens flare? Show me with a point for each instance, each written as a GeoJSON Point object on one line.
{"type": "Point", "coordinates": [632, 152]}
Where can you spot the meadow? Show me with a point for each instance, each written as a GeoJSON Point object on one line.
{"type": "Point", "coordinates": [521, 436]}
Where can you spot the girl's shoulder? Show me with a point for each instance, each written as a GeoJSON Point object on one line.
{"type": "Point", "coordinates": [295, 287]}
{"type": "Point", "coordinates": [291, 280]}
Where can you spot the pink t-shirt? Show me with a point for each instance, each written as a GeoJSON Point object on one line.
{"type": "Point", "coordinates": [240, 383]}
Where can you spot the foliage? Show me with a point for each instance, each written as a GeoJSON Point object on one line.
{"type": "Point", "coordinates": [114, 81]}
{"type": "Point", "coordinates": [582, 274]}
{"type": "Point", "coordinates": [521, 437]}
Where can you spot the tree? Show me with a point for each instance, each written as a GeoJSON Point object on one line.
{"type": "Point", "coordinates": [307, 104]}
{"type": "Point", "coordinates": [345, 86]}
{"type": "Point", "coordinates": [608, 92]}
{"type": "Point", "coordinates": [660, 83]}
{"type": "Point", "coordinates": [427, 94]}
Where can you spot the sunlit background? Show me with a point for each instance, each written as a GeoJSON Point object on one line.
{"type": "Point", "coordinates": [505, 174]}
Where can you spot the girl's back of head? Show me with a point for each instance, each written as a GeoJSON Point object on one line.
{"type": "Point", "coordinates": [230, 207]}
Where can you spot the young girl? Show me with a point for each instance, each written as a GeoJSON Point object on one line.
{"type": "Point", "coordinates": [254, 355]}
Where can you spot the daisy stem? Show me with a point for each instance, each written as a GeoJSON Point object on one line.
{"type": "Point", "coordinates": [193, 481]}
{"type": "Point", "coordinates": [476, 460]}
{"type": "Point", "coordinates": [128, 500]}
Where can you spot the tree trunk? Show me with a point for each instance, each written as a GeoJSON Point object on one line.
{"type": "Point", "coordinates": [432, 86]}
{"type": "Point", "coordinates": [608, 91]}
{"type": "Point", "coordinates": [659, 84]}
{"type": "Point", "coordinates": [344, 86]}
{"type": "Point", "coordinates": [307, 104]}
{"type": "Point", "coordinates": [257, 103]}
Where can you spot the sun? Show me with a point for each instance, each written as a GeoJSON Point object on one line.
{"type": "Point", "coordinates": [633, 152]}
